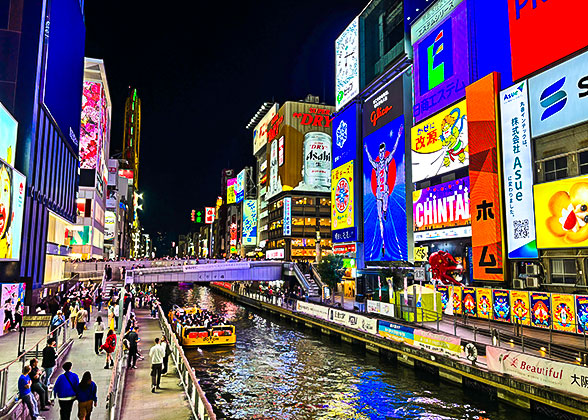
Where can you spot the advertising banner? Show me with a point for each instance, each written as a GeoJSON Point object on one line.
{"type": "Point", "coordinates": [249, 222]}
{"type": "Point", "coordinates": [240, 187]}
{"type": "Point", "coordinates": [469, 301]}
{"type": "Point", "coordinates": [396, 332]}
{"type": "Point", "coordinates": [559, 97]}
{"type": "Point", "coordinates": [563, 377]}
{"type": "Point", "coordinates": [559, 217]}
{"type": "Point", "coordinates": [381, 308]}
{"type": "Point", "coordinates": [260, 131]}
{"type": "Point", "coordinates": [456, 297]}
{"type": "Point", "coordinates": [442, 206]}
{"type": "Point", "coordinates": [439, 343]}
{"type": "Point", "coordinates": [540, 309]}
{"type": "Point", "coordinates": [382, 107]}
{"type": "Point", "coordinates": [287, 228]}
{"type": "Point", "coordinates": [93, 125]}
{"type": "Point", "coordinates": [484, 300]}
{"type": "Point", "coordinates": [354, 321]}
{"type": "Point", "coordinates": [13, 296]}
{"type": "Point", "coordinates": [485, 193]}
{"type": "Point", "coordinates": [8, 130]}
{"type": "Point", "coordinates": [345, 127]}
{"type": "Point", "coordinates": [535, 41]}
{"type": "Point", "coordinates": [231, 190]}
{"type": "Point", "coordinates": [520, 307]}
{"type": "Point", "coordinates": [582, 313]}
{"type": "Point", "coordinates": [440, 144]}
{"type": "Point", "coordinates": [12, 198]}
{"type": "Point", "coordinates": [209, 214]}
{"type": "Point", "coordinates": [564, 313]}
{"type": "Point", "coordinates": [275, 254]}
{"type": "Point", "coordinates": [384, 194]}
{"type": "Point", "coordinates": [441, 64]}
{"type": "Point", "coordinates": [444, 292]}
{"type": "Point", "coordinates": [109, 225]}
{"type": "Point", "coordinates": [421, 253]}
{"type": "Point", "coordinates": [518, 172]}
{"type": "Point", "coordinates": [318, 311]}
{"type": "Point", "coordinates": [432, 16]}
{"type": "Point", "coordinates": [342, 204]}
{"type": "Point", "coordinates": [347, 64]}
{"type": "Point", "coordinates": [501, 305]}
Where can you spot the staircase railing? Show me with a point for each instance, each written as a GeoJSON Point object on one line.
{"type": "Point", "coordinates": [300, 276]}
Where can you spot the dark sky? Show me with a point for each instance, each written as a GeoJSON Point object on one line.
{"type": "Point", "coordinates": [201, 74]}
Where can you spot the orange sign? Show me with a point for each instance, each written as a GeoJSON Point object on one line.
{"type": "Point", "coordinates": [485, 189]}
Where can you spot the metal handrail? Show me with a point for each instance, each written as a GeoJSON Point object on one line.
{"type": "Point", "coordinates": [199, 404]}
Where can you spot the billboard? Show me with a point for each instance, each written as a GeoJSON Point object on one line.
{"type": "Point", "coordinates": [209, 213]}
{"type": "Point", "coordinates": [440, 144]}
{"type": "Point", "coordinates": [560, 212]}
{"type": "Point", "coordinates": [64, 68]}
{"type": "Point", "coordinates": [260, 131]}
{"type": "Point", "coordinates": [231, 182]}
{"type": "Point", "coordinates": [345, 127]}
{"type": "Point", "coordinates": [240, 186]}
{"type": "Point", "coordinates": [432, 16]}
{"type": "Point", "coordinates": [382, 107]}
{"type": "Point", "coordinates": [484, 302]}
{"type": "Point", "coordinates": [544, 32]}
{"type": "Point", "coordinates": [501, 305]}
{"type": "Point", "coordinates": [384, 194]}
{"type": "Point", "coordinates": [540, 309]}
{"type": "Point", "coordinates": [342, 204]}
{"type": "Point", "coordinates": [559, 97]}
{"type": "Point", "coordinates": [287, 228]}
{"type": "Point", "coordinates": [485, 193]}
{"type": "Point", "coordinates": [518, 172]}
{"type": "Point", "coordinates": [92, 129]}
{"type": "Point", "coordinates": [12, 196]}
{"type": "Point", "coordinates": [441, 65]}
{"type": "Point", "coordinates": [249, 222]}
{"type": "Point", "coordinates": [109, 225]}
{"type": "Point", "coordinates": [582, 313]}
{"type": "Point", "coordinates": [442, 206]}
{"type": "Point", "coordinates": [306, 131]}
{"type": "Point", "coordinates": [8, 131]}
{"type": "Point", "coordinates": [520, 307]}
{"type": "Point", "coordinates": [564, 313]}
{"type": "Point", "coordinates": [347, 64]}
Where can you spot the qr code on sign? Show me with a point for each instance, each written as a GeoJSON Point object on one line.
{"type": "Point", "coordinates": [521, 229]}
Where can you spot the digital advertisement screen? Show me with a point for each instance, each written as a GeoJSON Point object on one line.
{"type": "Point", "coordinates": [240, 187]}
{"type": "Point", "coordinates": [8, 131]}
{"type": "Point", "coordinates": [542, 32]}
{"type": "Point", "coordinates": [560, 209]}
{"type": "Point", "coordinates": [345, 136]}
{"type": "Point", "coordinates": [92, 125]}
{"type": "Point", "coordinates": [12, 294]}
{"type": "Point", "coordinates": [518, 172]}
{"type": "Point", "coordinates": [441, 65]}
{"type": "Point", "coordinates": [64, 72]}
{"type": "Point", "coordinates": [81, 235]}
{"type": "Point", "coordinates": [440, 144]}
{"type": "Point", "coordinates": [12, 197]}
{"type": "Point", "coordinates": [347, 64]}
{"type": "Point", "coordinates": [384, 194]}
{"type": "Point", "coordinates": [249, 222]}
{"type": "Point", "coordinates": [342, 204]}
{"type": "Point", "coordinates": [383, 107]}
{"type": "Point", "coordinates": [559, 97]}
{"type": "Point", "coordinates": [231, 197]}
{"type": "Point", "coordinates": [260, 131]}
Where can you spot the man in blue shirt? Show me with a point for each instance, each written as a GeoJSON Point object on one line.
{"type": "Point", "coordinates": [24, 392]}
{"type": "Point", "coordinates": [66, 388]}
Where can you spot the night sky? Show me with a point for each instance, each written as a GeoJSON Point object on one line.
{"type": "Point", "coordinates": [201, 75]}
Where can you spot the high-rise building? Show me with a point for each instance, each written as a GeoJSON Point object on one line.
{"type": "Point", "coordinates": [132, 134]}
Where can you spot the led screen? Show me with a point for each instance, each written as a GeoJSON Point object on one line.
{"type": "Point", "coordinates": [347, 64]}
{"type": "Point", "coordinates": [231, 182]}
{"type": "Point", "coordinates": [342, 204]}
{"type": "Point", "coordinates": [240, 187]}
{"type": "Point", "coordinates": [249, 222]}
{"type": "Point", "coordinates": [8, 131]}
{"type": "Point", "coordinates": [12, 196]}
{"type": "Point", "coordinates": [109, 225]}
{"type": "Point", "coordinates": [92, 126]}
{"type": "Point", "coordinates": [345, 135]}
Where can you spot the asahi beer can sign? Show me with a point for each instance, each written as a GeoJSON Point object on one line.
{"type": "Point", "coordinates": [317, 161]}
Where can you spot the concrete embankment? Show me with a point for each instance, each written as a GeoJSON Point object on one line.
{"type": "Point", "coordinates": [476, 379]}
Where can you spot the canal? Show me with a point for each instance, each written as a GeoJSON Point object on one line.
{"type": "Point", "coordinates": [279, 371]}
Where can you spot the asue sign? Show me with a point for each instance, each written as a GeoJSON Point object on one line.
{"type": "Point", "coordinates": [559, 96]}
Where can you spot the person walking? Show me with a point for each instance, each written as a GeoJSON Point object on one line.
{"type": "Point", "coordinates": [156, 354]}
{"type": "Point", "coordinates": [66, 388]}
{"type": "Point", "coordinates": [49, 358]}
{"type": "Point", "coordinates": [132, 343]}
{"type": "Point", "coordinates": [25, 394]}
{"type": "Point", "coordinates": [109, 346]}
{"type": "Point", "coordinates": [81, 319]}
{"type": "Point", "coordinates": [116, 312]}
{"type": "Point", "coordinates": [166, 354]}
{"type": "Point", "coordinates": [87, 398]}
{"type": "Point", "coordinates": [110, 317]}
{"type": "Point", "coordinates": [99, 299]}
{"type": "Point", "coordinates": [98, 334]}
{"type": "Point", "coordinates": [38, 386]}
{"type": "Point", "coordinates": [73, 315]}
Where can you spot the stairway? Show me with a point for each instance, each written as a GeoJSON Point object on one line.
{"type": "Point", "coordinates": [109, 285]}
{"type": "Point", "coordinates": [314, 289]}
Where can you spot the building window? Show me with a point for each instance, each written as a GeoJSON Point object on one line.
{"type": "Point", "coordinates": [556, 168]}
{"type": "Point", "coordinates": [583, 162]}
{"type": "Point", "coordinates": [563, 271]}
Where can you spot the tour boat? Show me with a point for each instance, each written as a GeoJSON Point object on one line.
{"type": "Point", "coordinates": [196, 336]}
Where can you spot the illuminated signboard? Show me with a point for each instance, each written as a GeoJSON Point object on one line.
{"type": "Point", "coordinates": [260, 131]}
{"type": "Point", "coordinates": [441, 60]}
{"type": "Point", "coordinates": [560, 214]}
{"type": "Point", "coordinates": [559, 97]}
{"type": "Point", "coordinates": [231, 182]}
{"type": "Point", "coordinates": [8, 131]}
{"type": "Point", "coordinates": [542, 32]}
{"type": "Point", "coordinates": [240, 187]}
{"type": "Point", "coordinates": [287, 216]}
{"type": "Point", "coordinates": [347, 64]}
{"type": "Point", "coordinates": [281, 151]}
{"type": "Point", "coordinates": [384, 194]}
{"type": "Point", "coordinates": [345, 136]}
{"type": "Point", "coordinates": [274, 254]}
{"type": "Point", "coordinates": [518, 172]}
{"type": "Point", "coordinates": [92, 121]}
{"type": "Point", "coordinates": [249, 222]}
{"type": "Point", "coordinates": [109, 225]}
{"type": "Point", "coordinates": [440, 144]}
{"type": "Point", "coordinates": [485, 195]}
{"type": "Point", "coordinates": [342, 204]}
{"type": "Point", "coordinates": [442, 206]}
{"type": "Point", "coordinates": [382, 107]}
{"type": "Point", "coordinates": [126, 173]}
{"type": "Point", "coordinates": [432, 16]}
{"type": "Point", "coordinates": [81, 235]}
{"type": "Point", "coordinates": [209, 213]}
{"type": "Point", "coordinates": [12, 197]}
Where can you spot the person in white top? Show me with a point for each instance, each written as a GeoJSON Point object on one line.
{"type": "Point", "coordinates": [98, 334]}
{"type": "Point", "coordinates": [156, 353]}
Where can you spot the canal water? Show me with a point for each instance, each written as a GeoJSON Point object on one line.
{"type": "Point", "coordinates": [278, 371]}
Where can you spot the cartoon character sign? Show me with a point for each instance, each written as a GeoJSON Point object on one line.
{"type": "Point", "coordinates": [520, 307]}
{"type": "Point", "coordinates": [454, 137]}
{"type": "Point", "coordinates": [384, 198]}
{"type": "Point", "coordinates": [469, 301]}
{"type": "Point", "coordinates": [582, 313]}
{"type": "Point", "coordinates": [564, 316]}
{"type": "Point", "coordinates": [456, 300]}
{"type": "Point", "coordinates": [443, 290]}
{"type": "Point", "coordinates": [444, 266]}
{"type": "Point", "coordinates": [484, 299]}
{"type": "Point", "coordinates": [501, 305]}
{"type": "Point", "coordinates": [540, 309]}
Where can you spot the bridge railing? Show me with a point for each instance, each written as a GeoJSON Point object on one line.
{"type": "Point", "coordinates": [197, 400]}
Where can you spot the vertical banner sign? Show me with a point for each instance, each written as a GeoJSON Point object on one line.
{"type": "Point", "coordinates": [518, 172]}
{"type": "Point", "coordinates": [501, 305]}
{"type": "Point", "coordinates": [345, 135]}
{"type": "Point", "coordinates": [347, 64]}
{"type": "Point", "coordinates": [582, 313]}
{"type": "Point", "coordinates": [240, 187]}
{"type": "Point", "coordinates": [444, 292]}
{"type": "Point", "coordinates": [342, 205]}
{"type": "Point", "coordinates": [469, 301]}
{"type": "Point", "coordinates": [249, 222]}
{"type": "Point", "coordinates": [520, 307]}
{"type": "Point", "coordinates": [540, 309]}
{"type": "Point", "coordinates": [564, 314]}
{"type": "Point", "coordinates": [287, 216]}
{"type": "Point", "coordinates": [485, 193]}
{"type": "Point", "coordinates": [457, 296]}
{"type": "Point", "coordinates": [281, 151]}
{"type": "Point", "coordinates": [209, 213]}
{"type": "Point", "coordinates": [484, 300]}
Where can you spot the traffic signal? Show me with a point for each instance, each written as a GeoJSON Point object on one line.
{"type": "Point", "coordinates": [199, 216]}
{"type": "Point", "coordinates": [193, 216]}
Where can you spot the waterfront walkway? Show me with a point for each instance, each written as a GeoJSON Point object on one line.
{"type": "Point", "coordinates": [138, 401]}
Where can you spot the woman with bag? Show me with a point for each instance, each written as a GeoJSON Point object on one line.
{"type": "Point", "coordinates": [109, 346]}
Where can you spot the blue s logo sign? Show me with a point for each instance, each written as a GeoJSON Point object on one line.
{"type": "Point", "coordinates": [553, 99]}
